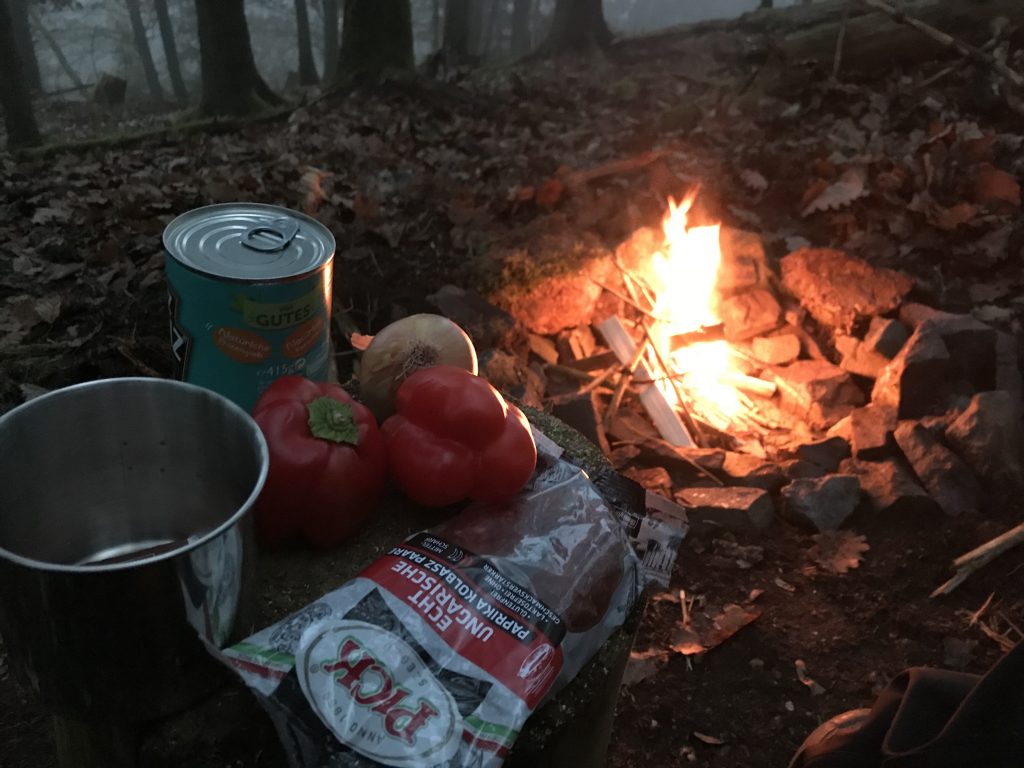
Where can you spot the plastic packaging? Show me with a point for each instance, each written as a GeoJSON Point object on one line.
{"type": "Point", "coordinates": [437, 653]}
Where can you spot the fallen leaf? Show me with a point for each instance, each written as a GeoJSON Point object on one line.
{"type": "Point", "coordinates": [313, 194]}
{"type": "Point", "coordinates": [360, 342]}
{"type": "Point", "coordinates": [55, 212]}
{"type": "Point", "coordinates": [838, 551]}
{"type": "Point", "coordinates": [48, 308]}
{"type": "Point", "coordinates": [550, 193]}
{"type": "Point", "coordinates": [839, 194]}
{"type": "Point", "coordinates": [992, 185]}
{"type": "Point", "coordinates": [732, 619]}
{"type": "Point", "coordinates": [950, 218]}
{"type": "Point", "coordinates": [990, 313]}
{"type": "Point", "coordinates": [986, 293]}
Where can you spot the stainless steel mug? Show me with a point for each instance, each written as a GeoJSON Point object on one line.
{"type": "Point", "coordinates": [125, 543]}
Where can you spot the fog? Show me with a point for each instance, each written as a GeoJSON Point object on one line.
{"type": "Point", "coordinates": [95, 35]}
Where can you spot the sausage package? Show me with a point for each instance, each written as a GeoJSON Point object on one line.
{"type": "Point", "coordinates": [436, 654]}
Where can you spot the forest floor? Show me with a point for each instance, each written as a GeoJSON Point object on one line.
{"type": "Point", "coordinates": [420, 180]}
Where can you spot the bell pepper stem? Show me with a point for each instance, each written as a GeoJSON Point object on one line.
{"type": "Point", "coordinates": [331, 420]}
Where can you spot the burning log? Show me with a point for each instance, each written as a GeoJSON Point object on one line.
{"type": "Point", "coordinates": [654, 401]}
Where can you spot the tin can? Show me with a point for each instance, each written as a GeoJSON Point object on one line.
{"type": "Point", "coordinates": [249, 297]}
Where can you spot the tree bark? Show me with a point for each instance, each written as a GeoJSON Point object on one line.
{"type": "Point", "coordinates": [496, 12]}
{"type": "Point", "coordinates": [142, 46]}
{"type": "Point", "coordinates": [578, 26]}
{"type": "Point", "coordinates": [52, 42]}
{"type": "Point", "coordinates": [521, 40]}
{"type": "Point", "coordinates": [376, 35]}
{"type": "Point", "coordinates": [330, 8]}
{"type": "Point", "coordinates": [14, 95]}
{"type": "Point", "coordinates": [456, 30]}
{"type": "Point", "coordinates": [170, 50]}
{"type": "Point", "coordinates": [23, 41]}
{"type": "Point", "coordinates": [436, 29]}
{"type": "Point", "coordinates": [231, 83]}
{"type": "Point", "coordinates": [307, 67]}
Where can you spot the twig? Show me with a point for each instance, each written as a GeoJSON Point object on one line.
{"type": "Point", "coordinates": [616, 401]}
{"type": "Point", "coordinates": [840, 39]}
{"type": "Point", "coordinates": [597, 381]}
{"type": "Point", "coordinates": [691, 425]}
{"type": "Point", "coordinates": [965, 49]}
{"type": "Point", "coordinates": [979, 557]}
{"type": "Point", "coordinates": [612, 168]}
{"type": "Point", "coordinates": [628, 300]}
{"type": "Point", "coordinates": [976, 616]}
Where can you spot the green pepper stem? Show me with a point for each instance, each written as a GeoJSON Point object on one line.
{"type": "Point", "coordinates": [331, 420]}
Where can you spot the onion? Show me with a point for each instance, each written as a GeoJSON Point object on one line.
{"type": "Point", "coordinates": [405, 346]}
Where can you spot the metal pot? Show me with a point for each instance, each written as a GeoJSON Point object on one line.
{"type": "Point", "coordinates": [125, 543]}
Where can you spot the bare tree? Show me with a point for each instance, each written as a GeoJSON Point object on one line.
{"type": "Point", "coordinates": [307, 67]}
{"type": "Point", "coordinates": [376, 35]}
{"type": "Point", "coordinates": [522, 42]}
{"type": "Point", "coordinates": [456, 30]}
{"type": "Point", "coordinates": [231, 83]}
{"type": "Point", "coordinates": [142, 46]}
{"type": "Point", "coordinates": [330, 9]}
{"type": "Point", "coordinates": [163, 19]}
{"type": "Point", "coordinates": [578, 26]}
{"type": "Point", "coordinates": [23, 41]}
{"type": "Point", "coordinates": [14, 95]}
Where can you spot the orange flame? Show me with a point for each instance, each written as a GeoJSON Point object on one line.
{"type": "Point", "coordinates": [684, 277]}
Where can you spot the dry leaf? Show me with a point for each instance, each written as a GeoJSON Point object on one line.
{"type": "Point", "coordinates": [311, 184]}
{"type": "Point", "coordinates": [951, 218]}
{"type": "Point", "coordinates": [732, 619]}
{"type": "Point", "coordinates": [840, 193]}
{"type": "Point", "coordinates": [984, 293]}
{"type": "Point", "coordinates": [838, 551]}
{"type": "Point", "coordinates": [360, 342]}
{"type": "Point", "coordinates": [992, 185]}
{"type": "Point", "coordinates": [549, 193]}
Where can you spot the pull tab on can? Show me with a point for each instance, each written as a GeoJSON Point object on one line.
{"type": "Point", "coordinates": [272, 236]}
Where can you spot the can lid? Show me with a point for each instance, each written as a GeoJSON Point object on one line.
{"type": "Point", "coordinates": [249, 241]}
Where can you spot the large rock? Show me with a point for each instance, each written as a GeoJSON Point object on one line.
{"type": "Point", "coordinates": [871, 429]}
{"type": "Point", "coordinates": [838, 289]}
{"type": "Point", "coordinates": [886, 337]}
{"type": "Point", "coordinates": [817, 391]}
{"type": "Point", "coordinates": [823, 502]}
{"type": "Point", "coordinates": [1008, 376]}
{"type": "Point", "coordinates": [729, 508]}
{"type": "Point", "coordinates": [858, 358]}
{"type": "Point", "coordinates": [987, 435]}
{"type": "Point", "coordinates": [826, 453]}
{"type": "Point", "coordinates": [945, 476]}
{"type": "Point", "coordinates": [752, 472]}
{"type": "Point", "coordinates": [743, 264]}
{"type": "Point", "coordinates": [913, 314]}
{"type": "Point", "coordinates": [749, 314]}
{"type": "Point", "coordinates": [972, 348]}
{"type": "Point", "coordinates": [890, 488]}
{"type": "Point", "coordinates": [776, 350]}
{"type": "Point", "coordinates": [913, 382]}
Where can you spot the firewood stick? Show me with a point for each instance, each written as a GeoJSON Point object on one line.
{"type": "Point", "coordinates": [964, 49]}
{"type": "Point", "coordinates": [600, 379]}
{"type": "Point", "coordinates": [840, 39]}
{"type": "Point", "coordinates": [631, 302]}
{"type": "Point", "coordinates": [979, 557]}
{"type": "Point", "coordinates": [691, 425]}
{"type": "Point", "coordinates": [751, 384]}
{"type": "Point", "coordinates": [616, 401]}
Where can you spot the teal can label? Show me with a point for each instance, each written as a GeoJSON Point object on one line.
{"type": "Point", "coordinates": [249, 298]}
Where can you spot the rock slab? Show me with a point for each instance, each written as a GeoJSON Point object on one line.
{"type": "Point", "coordinates": [729, 508]}
{"type": "Point", "coordinates": [987, 435]}
{"type": "Point", "coordinates": [891, 488]}
{"type": "Point", "coordinates": [825, 502]}
{"type": "Point", "coordinates": [912, 382]}
{"type": "Point", "coordinates": [945, 476]}
{"type": "Point", "coordinates": [817, 391]}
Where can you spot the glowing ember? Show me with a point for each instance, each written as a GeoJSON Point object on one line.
{"type": "Point", "coordinates": [684, 277]}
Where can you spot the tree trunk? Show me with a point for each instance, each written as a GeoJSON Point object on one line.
{"type": "Point", "coordinates": [496, 11]}
{"type": "Point", "coordinates": [456, 30]}
{"type": "Point", "coordinates": [435, 24]}
{"type": "Point", "coordinates": [521, 40]}
{"type": "Point", "coordinates": [23, 41]}
{"type": "Point", "coordinates": [142, 46]}
{"type": "Point", "coordinates": [331, 42]}
{"type": "Point", "coordinates": [231, 83]}
{"type": "Point", "coordinates": [52, 42]}
{"type": "Point", "coordinates": [578, 26]}
{"type": "Point", "coordinates": [307, 67]}
{"type": "Point", "coordinates": [170, 50]}
{"type": "Point", "coordinates": [376, 35]}
{"type": "Point", "coordinates": [766, 4]}
{"type": "Point", "coordinates": [14, 96]}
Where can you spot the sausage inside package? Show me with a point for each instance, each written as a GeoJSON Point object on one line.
{"type": "Point", "coordinates": [437, 653]}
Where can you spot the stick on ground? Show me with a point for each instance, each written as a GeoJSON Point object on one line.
{"type": "Point", "coordinates": [979, 557]}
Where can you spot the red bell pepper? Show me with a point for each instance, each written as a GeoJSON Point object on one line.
{"type": "Point", "coordinates": [328, 463]}
{"type": "Point", "coordinates": [454, 437]}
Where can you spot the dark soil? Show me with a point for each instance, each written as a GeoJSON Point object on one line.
{"type": "Point", "coordinates": [429, 183]}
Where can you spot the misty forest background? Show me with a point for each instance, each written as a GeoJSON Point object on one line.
{"type": "Point", "coordinates": [65, 48]}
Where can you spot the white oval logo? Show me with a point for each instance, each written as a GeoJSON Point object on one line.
{"type": "Point", "coordinates": [377, 696]}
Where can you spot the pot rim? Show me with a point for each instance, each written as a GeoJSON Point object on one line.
{"type": "Point", "coordinates": [192, 543]}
